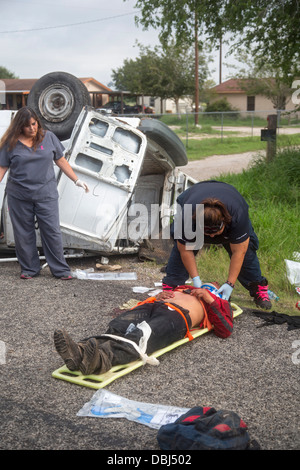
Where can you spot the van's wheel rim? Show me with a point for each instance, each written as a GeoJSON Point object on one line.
{"type": "Point", "coordinates": [56, 103]}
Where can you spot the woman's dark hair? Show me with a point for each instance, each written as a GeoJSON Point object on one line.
{"type": "Point", "coordinates": [21, 120]}
{"type": "Point", "coordinates": [215, 212]}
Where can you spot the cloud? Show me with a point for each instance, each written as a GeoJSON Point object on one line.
{"type": "Point", "coordinates": [92, 48]}
{"type": "Point", "coordinates": [44, 43]}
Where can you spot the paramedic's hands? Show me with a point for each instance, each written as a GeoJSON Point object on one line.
{"type": "Point", "coordinates": [225, 290]}
{"type": "Point", "coordinates": [197, 281]}
{"type": "Point", "coordinates": [82, 185]}
{"type": "Point", "coordinates": [165, 295]}
{"type": "Point", "coordinates": [202, 294]}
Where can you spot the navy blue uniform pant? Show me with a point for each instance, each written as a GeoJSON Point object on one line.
{"type": "Point", "coordinates": [22, 215]}
{"type": "Point", "coordinates": [176, 273]}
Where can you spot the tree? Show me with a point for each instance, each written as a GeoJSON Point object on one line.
{"type": "Point", "coordinates": [164, 72]}
{"type": "Point", "coordinates": [141, 75]}
{"type": "Point", "coordinates": [273, 88]}
{"type": "Point", "coordinates": [127, 78]}
{"type": "Point", "coordinates": [265, 80]}
{"type": "Point", "coordinates": [179, 72]}
{"type": "Point", "coordinates": [180, 20]}
{"type": "Point", "coordinates": [269, 28]}
{"type": "Point", "coordinates": [5, 73]}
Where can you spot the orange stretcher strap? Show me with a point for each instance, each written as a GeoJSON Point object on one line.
{"type": "Point", "coordinates": [188, 333]}
{"type": "Point", "coordinates": [205, 322]}
{"type": "Point", "coordinates": [173, 307]}
{"type": "Point", "coordinates": [149, 300]}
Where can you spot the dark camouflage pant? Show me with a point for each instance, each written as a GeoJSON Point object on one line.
{"type": "Point", "coordinates": [167, 326]}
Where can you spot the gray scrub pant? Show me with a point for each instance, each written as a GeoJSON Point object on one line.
{"type": "Point", "coordinates": [22, 215]}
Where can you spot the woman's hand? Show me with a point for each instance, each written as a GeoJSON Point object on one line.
{"type": "Point", "coordinates": [66, 168]}
{"type": "Point", "coordinates": [165, 295]}
{"type": "Point", "coordinates": [83, 185]}
{"type": "Point", "coordinates": [225, 291]}
{"type": "Point", "coordinates": [202, 294]}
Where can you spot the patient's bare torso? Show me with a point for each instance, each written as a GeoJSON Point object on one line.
{"type": "Point", "coordinates": [191, 304]}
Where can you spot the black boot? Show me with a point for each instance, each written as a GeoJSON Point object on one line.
{"type": "Point", "coordinates": [91, 360]}
{"type": "Point", "coordinates": [69, 351]}
{"type": "Point", "coordinates": [259, 291]}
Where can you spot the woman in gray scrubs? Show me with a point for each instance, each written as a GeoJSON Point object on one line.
{"type": "Point", "coordinates": [28, 152]}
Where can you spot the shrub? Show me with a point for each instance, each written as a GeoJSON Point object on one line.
{"type": "Point", "coordinates": [224, 106]}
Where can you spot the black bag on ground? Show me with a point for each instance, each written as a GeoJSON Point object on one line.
{"type": "Point", "coordinates": [274, 318]}
{"type": "Point", "coordinates": [204, 428]}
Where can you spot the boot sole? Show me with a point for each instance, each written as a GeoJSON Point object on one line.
{"type": "Point", "coordinates": [91, 358]}
{"type": "Point", "coordinates": [68, 351]}
{"type": "Point", "coordinates": [263, 306]}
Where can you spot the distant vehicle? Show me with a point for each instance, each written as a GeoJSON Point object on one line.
{"type": "Point", "coordinates": [149, 110]}
{"type": "Point", "coordinates": [130, 165]}
{"type": "Point", "coordinates": [116, 107]}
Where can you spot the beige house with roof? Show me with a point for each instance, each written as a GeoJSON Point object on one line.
{"type": "Point", "coordinates": [16, 91]}
{"type": "Point", "coordinates": [238, 98]}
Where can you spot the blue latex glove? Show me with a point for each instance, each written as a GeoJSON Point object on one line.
{"type": "Point", "coordinates": [225, 290]}
{"type": "Point", "coordinates": [197, 281]}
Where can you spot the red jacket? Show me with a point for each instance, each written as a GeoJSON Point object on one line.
{"type": "Point", "coordinates": [220, 315]}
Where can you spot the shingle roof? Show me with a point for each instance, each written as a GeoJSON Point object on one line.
{"type": "Point", "coordinates": [91, 79]}
{"type": "Point", "coordinates": [233, 85]}
{"type": "Point", "coordinates": [25, 84]}
{"type": "Point", "coordinates": [18, 84]}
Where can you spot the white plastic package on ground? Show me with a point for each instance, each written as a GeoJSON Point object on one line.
{"type": "Point", "coordinates": [293, 272]}
{"type": "Point", "coordinates": [90, 274]}
{"type": "Point", "coordinates": [106, 404]}
{"type": "Point", "coordinates": [149, 290]}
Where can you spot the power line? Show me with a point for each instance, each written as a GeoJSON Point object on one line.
{"type": "Point", "coordinates": [66, 25]}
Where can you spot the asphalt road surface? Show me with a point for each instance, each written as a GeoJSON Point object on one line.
{"type": "Point", "coordinates": [255, 372]}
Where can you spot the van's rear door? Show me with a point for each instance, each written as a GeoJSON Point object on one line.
{"type": "Point", "coordinates": [107, 154]}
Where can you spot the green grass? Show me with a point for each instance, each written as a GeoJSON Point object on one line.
{"type": "Point", "coordinates": [231, 119]}
{"type": "Point", "coordinates": [272, 191]}
{"type": "Point", "coordinates": [198, 149]}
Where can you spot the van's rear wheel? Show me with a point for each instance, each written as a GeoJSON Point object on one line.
{"type": "Point", "coordinates": [58, 98]}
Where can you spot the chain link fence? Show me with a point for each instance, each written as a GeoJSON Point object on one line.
{"type": "Point", "coordinates": [239, 123]}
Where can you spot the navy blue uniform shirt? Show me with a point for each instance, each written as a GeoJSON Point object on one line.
{"type": "Point", "coordinates": [238, 230]}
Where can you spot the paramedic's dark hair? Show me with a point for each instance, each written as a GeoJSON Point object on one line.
{"type": "Point", "coordinates": [215, 212]}
{"type": "Point", "coordinates": [21, 119]}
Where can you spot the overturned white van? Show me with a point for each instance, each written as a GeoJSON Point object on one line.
{"type": "Point", "coordinates": [130, 165]}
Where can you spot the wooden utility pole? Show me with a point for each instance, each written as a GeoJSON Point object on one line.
{"type": "Point", "coordinates": [269, 135]}
{"type": "Point", "coordinates": [271, 143]}
{"type": "Point", "coordinates": [196, 71]}
{"type": "Point", "coordinates": [220, 62]}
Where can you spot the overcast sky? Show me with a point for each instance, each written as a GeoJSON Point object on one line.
{"type": "Point", "coordinates": [38, 37]}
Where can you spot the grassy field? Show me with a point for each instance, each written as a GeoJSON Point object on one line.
{"type": "Point", "coordinates": [272, 191]}
{"type": "Point", "coordinates": [207, 140]}
{"type": "Point", "coordinates": [198, 149]}
{"type": "Point", "coordinates": [184, 121]}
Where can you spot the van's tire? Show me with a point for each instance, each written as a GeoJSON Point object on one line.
{"type": "Point", "coordinates": [58, 98]}
{"type": "Point", "coordinates": [161, 134]}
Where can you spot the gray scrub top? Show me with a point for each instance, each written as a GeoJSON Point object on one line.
{"type": "Point", "coordinates": [31, 172]}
